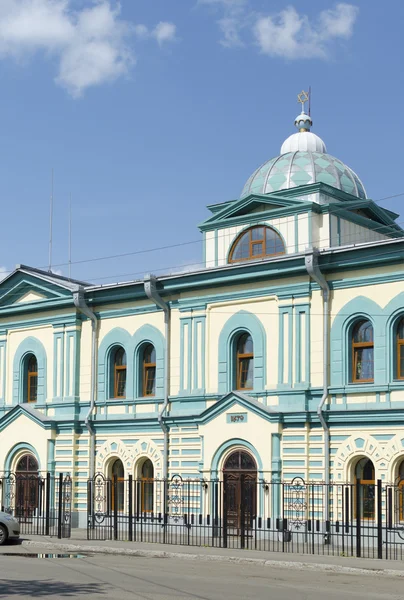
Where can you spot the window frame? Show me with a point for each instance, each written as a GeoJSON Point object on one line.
{"type": "Point", "coordinates": [29, 376]}
{"type": "Point", "coordinates": [355, 346]}
{"type": "Point", "coordinates": [252, 243]}
{"type": "Point", "coordinates": [146, 368]}
{"type": "Point", "coordinates": [240, 357]}
{"type": "Point", "coordinates": [116, 370]}
{"type": "Point", "coordinates": [399, 343]}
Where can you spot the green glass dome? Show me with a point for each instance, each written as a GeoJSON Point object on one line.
{"type": "Point", "coordinates": [293, 169]}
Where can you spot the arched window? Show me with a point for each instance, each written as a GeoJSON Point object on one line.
{"type": "Point", "coordinates": [400, 349]}
{"type": "Point", "coordinates": [400, 491]}
{"type": "Point", "coordinates": [31, 378]}
{"type": "Point", "coordinates": [147, 481]}
{"type": "Point", "coordinates": [119, 373]}
{"type": "Point", "coordinates": [362, 352]}
{"type": "Point", "coordinates": [244, 362]}
{"type": "Point", "coordinates": [365, 475]}
{"type": "Point", "coordinates": [118, 486]}
{"type": "Point", "coordinates": [149, 371]}
{"type": "Point", "coordinates": [256, 242]}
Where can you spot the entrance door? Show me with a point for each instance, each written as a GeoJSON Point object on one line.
{"type": "Point", "coordinates": [239, 492]}
{"type": "Point", "coordinates": [27, 487]}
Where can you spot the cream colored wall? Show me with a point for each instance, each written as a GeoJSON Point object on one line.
{"type": "Point", "coordinates": [14, 338]}
{"type": "Point", "coordinates": [351, 233]}
{"type": "Point", "coordinates": [286, 226]}
{"type": "Point", "coordinates": [257, 431]}
{"type": "Point", "coordinates": [266, 310]}
{"type": "Point", "coordinates": [24, 430]}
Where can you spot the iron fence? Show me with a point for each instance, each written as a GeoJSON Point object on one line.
{"type": "Point", "coordinates": [362, 520]}
{"type": "Point", "coordinates": [40, 502]}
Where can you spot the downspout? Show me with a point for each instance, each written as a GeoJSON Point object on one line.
{"type": "Point", "coordinates": [80, 304]}
{"type": "Point", "coordinates": [150, 288]}
{"type": "Point", "coordinates": [313, 269]}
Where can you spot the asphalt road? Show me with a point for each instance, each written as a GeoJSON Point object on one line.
{"type": "Point", "coordinates": [121, 578]}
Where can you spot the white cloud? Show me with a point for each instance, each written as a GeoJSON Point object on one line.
{"type": "Point", "coordinates": [287, 33]}
{"type": "Point", "coordinates": [295, 36]}
{"type": "Point", "coordinates": [232, 21]}
{"type": "Point", "coordinates": [91, 45]}
{"type": "Point", "coordinates": [164, 32]}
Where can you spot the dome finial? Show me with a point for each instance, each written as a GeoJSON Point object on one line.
{"type": "Point", "coordinates": [303, 121]}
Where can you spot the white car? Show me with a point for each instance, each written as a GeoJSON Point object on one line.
{"type": "Point", "coordinates": [9, 528]}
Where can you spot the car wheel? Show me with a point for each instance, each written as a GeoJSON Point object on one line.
{"type": "Point", "coordinates": [3, 535]}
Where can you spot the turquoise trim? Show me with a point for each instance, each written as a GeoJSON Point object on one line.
{"type": "Point", "coordinates": [114, 338]}
{"type": "Point", "coordinates": [282, 382]}
{"type": "Point", "coordinates": [147, 334]}
{"type": "Point", "coordinates": [51, 456]}
{"type": "Point", "coordinates": [21, 446]}
{"type": "Point", "coordinates": [133, 346]}
{"type": "Point", "coordinates": [384, 323]}
{"type": "Point", "coordinates": [234, 442]}
{"type": "Point", "coordinates": [58, 364]}
{"type": "Point", "coordinates": [276, 473]}
{"type": "Point", "coordinates": [186, 342]}
{"type": "Point", "coordinates": [302, 311]}
{"type": "Point", "coordinates": [72, 373]}
{"type": "Point", "coordinates": [199, 361]}
{"type": "Point", "coordinates": [28, 346]}
{"type": "Point", "coordinates": [234, 326]}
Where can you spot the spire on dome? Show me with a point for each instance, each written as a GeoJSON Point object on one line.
{"type": "Point", "coordinates": [309, 142]}
{"type": "Point", "coordinates": [303, 121]}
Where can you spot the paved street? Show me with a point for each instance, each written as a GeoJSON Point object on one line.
{"type": "Point", "coordinates": [123, 577]}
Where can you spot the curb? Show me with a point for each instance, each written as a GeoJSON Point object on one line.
{"type": "Point", "coordinates": [283, 564]}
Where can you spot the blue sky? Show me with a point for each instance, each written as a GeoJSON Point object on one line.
{"type": "Point", "coordinates": [149, 110]}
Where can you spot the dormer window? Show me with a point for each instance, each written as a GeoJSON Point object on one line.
{"type": "Point", "coordinates": [255, 243]}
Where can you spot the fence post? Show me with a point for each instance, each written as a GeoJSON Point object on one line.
{"type": "Point", "coordinates": [379, 520]}
{"type": "Point", "coordinates": [224, 513]}
{"type": "Point", "coordinates": [130, 500]}
{"type": "Point", "coordinates": [115, 496]}
{"type": "Point", "coordinates": [47, 503]}
{"type": "Point", "coordinates": [358, 519]}
{"type": "Point", "coordinates": [60, 506]}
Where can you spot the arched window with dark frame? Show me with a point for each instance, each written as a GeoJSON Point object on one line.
{"type": "Point", "coordinates": [149, 371]}
{"type": "Point", "coordinates": [31, 383]}
{"type": "Point", "coordinates": [257, 242]}
{"type": "Point", "coordinates": [118, 373]}
{"type": "Point", "coordinates": [362, 352]}
{"type": "Point", "coordinates": [147, 481]}
{"type": "Point", "coordinates": [400, 349]}
{"type": "Point", "coordinates": [244, 362]}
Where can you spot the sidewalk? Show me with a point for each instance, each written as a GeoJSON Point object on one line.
{"type": "Point", "coordinates": [336, 564]}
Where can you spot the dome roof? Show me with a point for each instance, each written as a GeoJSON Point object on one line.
{"type": "Point", "coordinates": [302, 168]}
{"type": "Point", "coordinates": [303, 160]}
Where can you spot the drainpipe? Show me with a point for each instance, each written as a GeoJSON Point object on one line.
{"type": "Point", "coordinates": [313, 269]}
{"type": "Point", "coordinates": [150, 288]}
{"type": "Point", "coordinates": [80, 304]}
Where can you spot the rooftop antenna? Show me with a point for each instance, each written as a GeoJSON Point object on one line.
{"type": "Point", "coordinates": [310, 101]}
{"type": "Point", "coordinates": [50, 225]}
{"type": "Point", "coordinates": [70, 237]}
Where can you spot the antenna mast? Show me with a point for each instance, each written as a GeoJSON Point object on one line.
{"type": "Point", "coordinates": [70, 237]}
{"type": "Point", "coordinates": [50, 225]}
{"type": "Point", "coordinates": [310, 101]}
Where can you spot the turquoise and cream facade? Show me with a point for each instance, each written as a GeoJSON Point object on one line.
{"type": "Point", "coordinates": [154, 370]}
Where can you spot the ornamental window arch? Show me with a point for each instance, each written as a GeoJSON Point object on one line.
{"type": "Point", "coordinates": [256, 242]}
